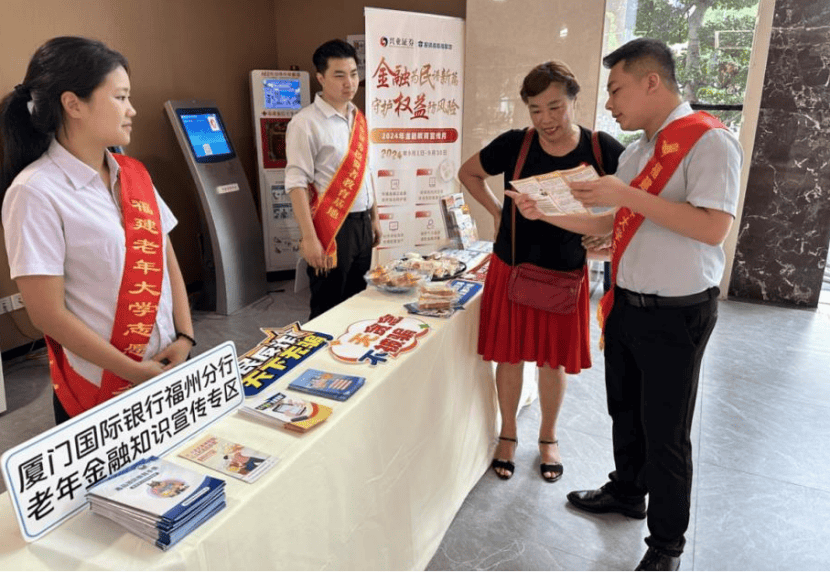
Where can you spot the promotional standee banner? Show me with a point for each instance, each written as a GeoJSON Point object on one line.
{"type": "Point", "coordinates": [414, 93]}
{"type": "Point", "coordinates": [48, 476]}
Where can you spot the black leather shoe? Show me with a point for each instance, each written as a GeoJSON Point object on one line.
{"type": "Point", "coordinates": [657, 560]}
{"type": "Point", "coordinates": [601, 500]}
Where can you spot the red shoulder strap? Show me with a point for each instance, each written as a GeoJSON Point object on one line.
{"type": "Point", "coordinates": [597, 152]}
{"type": "Point", "coordinates": [520, 163]}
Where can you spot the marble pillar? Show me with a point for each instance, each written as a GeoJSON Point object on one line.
{"type": "Point", "coordinates": [785, 227]}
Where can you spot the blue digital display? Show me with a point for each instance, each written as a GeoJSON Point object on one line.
{"type": "Point", "coordinates": [206, 134]}
{"type": "Point", "coordinates": [281, 94]}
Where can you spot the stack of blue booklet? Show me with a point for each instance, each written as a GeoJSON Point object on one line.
{"type": "Point", "coordinates": [324, 384]}
{"type": "Point", "coordinates": [157, 500]}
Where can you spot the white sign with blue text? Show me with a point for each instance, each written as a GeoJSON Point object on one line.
{"type": "Point", "coordinates": [47, 477]}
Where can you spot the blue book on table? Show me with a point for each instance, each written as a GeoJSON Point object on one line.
{"type": "Point", "coordinates": [326, 384]}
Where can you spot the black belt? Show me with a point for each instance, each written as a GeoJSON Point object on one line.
{"type": "Point", "coordinates": [655, 301]}
{"type": "Point", "coordinates": [359, 214]}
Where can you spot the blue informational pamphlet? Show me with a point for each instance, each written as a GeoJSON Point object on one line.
{"type": "Point", "coordinates": [157, 500]}
{"type": "Point", "coordinates": [325, 384]}
{"type": "Point", "coordinates": [466, 289]}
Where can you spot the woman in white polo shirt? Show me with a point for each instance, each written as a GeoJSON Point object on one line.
{"type": "Point", "coordinates": [86, 231]}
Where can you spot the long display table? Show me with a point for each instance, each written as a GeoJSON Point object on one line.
{"type": "Point", "coordinates": [374, 487]}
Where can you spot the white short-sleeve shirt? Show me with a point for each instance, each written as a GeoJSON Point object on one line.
{"type": "Point", "coordinates": [59, 219]}
{"type": "Point", "coordinates": [316, 141]}
{"type": "Point", "coordinates": [659, 261]}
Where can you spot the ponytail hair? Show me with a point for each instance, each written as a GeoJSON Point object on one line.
{"type": "Point", "coordinates": [32, 113]}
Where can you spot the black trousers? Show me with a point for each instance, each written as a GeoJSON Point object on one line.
{"type": "Point", "coordinates": [652, 367]}
{"type": "Point", "coordinates": [354, 258]}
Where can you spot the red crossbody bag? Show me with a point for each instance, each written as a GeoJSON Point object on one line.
{"type": "Point", "coordinates": [555, 291]}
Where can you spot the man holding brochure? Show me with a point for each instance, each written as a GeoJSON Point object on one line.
{"type": "Point", "coordinates": [327, 148]}
{"type": "Point", "coordinates": [674, 195]}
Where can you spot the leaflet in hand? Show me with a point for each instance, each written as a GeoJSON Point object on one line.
{"type": "Point", "coordinates": [229, 458]}
{"type": "Point", "coordinates": [157, 500]}
{"type": "Point", "coordinates": [551, 190]}
{"type": "Point", "coordinates": [325, 384]}
{"type": "Point", "coordinates": [287, 412]}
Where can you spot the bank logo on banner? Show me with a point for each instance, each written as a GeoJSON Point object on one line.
{"type": "Point", "coordinates": [391, 42]}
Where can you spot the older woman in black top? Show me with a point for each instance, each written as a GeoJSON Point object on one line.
{"type": "Point", "coordinates": [511, 334]}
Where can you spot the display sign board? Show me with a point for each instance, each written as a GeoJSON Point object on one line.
{"type": "Point", "coordinates": [376, 341]}
{"type": "Point", "coordinates": [277, 354]}
{"type": "Point", "coordinates": [47, 476]}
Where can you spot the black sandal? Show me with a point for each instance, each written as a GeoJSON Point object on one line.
{"type": "Point", "coordinates": [556, 468]}
{"type": "Point", "coordinates": [504, 465]}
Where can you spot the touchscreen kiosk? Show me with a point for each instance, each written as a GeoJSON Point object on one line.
{"type": "Point", "coordinates": [205, 134]}
{"type": "Point", "coordinates": [227, 205]}
{"type": "Point", "coordinates": [276, 96]}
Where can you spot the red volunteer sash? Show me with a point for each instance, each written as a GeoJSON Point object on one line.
{"type": "Point", "coordinates": [329, 210]}
{"type": "Point", "coordinates": [673, 143]}
{"type": "Point", "coordinates": [138, 296]}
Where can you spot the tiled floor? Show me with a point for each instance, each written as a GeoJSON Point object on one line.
{"type": "Point", "coordinates": [761, 498]}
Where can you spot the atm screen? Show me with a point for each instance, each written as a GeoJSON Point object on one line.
{"type": "Point", "coordinates": [281, 94]}
{"type": "Point", "coordinates": [206, 134]}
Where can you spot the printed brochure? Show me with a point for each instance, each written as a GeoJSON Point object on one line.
{"type": "Point", "coordinates": [326, 384]}
{"type": "Point", "coordinates": [229, 458]}
{"type": "Point", "coordinates": [287, 412]}
{"type": "Point", "coordinates": [551, 190]}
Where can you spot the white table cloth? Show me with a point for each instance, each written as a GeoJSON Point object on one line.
{"type": "Point", "coordinates": [374, 487]}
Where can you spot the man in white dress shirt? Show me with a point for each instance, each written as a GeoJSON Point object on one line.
{"type": "Point", "coordinates": [674, 195]}
{"type": "Point", "coordinates": [320, 141]}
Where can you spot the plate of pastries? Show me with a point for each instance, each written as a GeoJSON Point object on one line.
{"type": "Point", "coordinates": [437, 296]}
{"type": "Point", "coordinates": [390, 278]}
{"type": "Point", "coordinates": [438, 266]}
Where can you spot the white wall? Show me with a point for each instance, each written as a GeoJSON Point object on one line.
{"type": "Point", "coordinates": [505, 40]}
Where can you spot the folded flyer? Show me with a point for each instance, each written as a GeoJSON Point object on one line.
{"type": "Point", "coordinates": [229, 458]}
{"type": "Point", "coordinates": [552, 192]}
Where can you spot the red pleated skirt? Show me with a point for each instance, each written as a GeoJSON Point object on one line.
{"type": "Point", "coordinates": [513, 333]}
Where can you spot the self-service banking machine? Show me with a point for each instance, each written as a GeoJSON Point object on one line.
{"type": "Point", "coordinates": [228, 206]}
{"type": "Point", "coordinates": [276, 96]}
